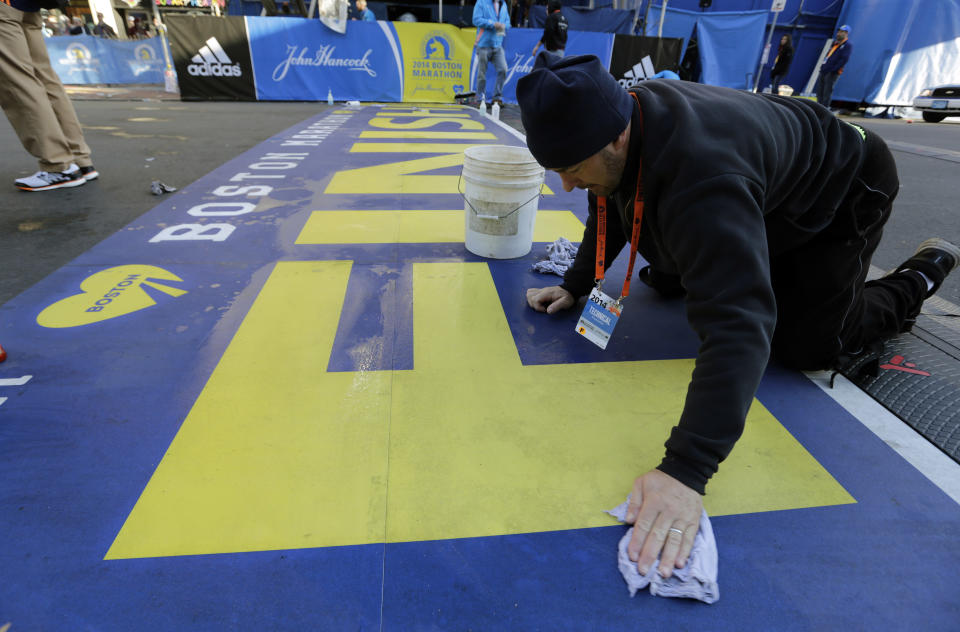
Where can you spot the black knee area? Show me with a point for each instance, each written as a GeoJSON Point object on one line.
{"type": "Point", "coordinates": [796, 351]}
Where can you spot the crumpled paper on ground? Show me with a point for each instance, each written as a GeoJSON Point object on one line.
{"type": "Point", "coordinates": [561, 254]}
{"type": "Point", "coordinates": [159, 188]}
{"type": "Point", "coordinates": [696, 580]}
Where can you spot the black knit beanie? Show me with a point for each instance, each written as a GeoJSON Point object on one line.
{"type": "Point", "coordinates": [571, 108]}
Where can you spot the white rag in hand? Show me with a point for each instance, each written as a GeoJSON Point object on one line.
{"type": "Point", "coordinates": [696, 580]}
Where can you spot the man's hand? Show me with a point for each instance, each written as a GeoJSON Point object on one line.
{"type": "Point", "coordinates": [659, 504]}
{"type": "Point", "coordinates": [549, 299]}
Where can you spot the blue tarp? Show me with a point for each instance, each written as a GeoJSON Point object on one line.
{"type": "Point", "coordinates": [900, 47]}
{"type": "Point", "coordinates": [597, 20]}
{"type": "Point", "coordinates": [729, 43]}
{"type": "Point", "coordinates": [85, 59]}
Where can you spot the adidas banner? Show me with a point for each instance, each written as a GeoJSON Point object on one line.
{"type": "Point", "coordinates": [638, 58]}
{"type": "Point", "coordinates": [212, 58]}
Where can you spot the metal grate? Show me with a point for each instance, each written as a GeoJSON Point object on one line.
{"type": "Point", "coordinates": [919, 378]}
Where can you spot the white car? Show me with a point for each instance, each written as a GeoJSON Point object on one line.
{"type": "Point", "coordinates": [938, 103]}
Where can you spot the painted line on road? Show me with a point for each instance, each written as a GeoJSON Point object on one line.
{"type": "Point", "coordinates": [924, 150]}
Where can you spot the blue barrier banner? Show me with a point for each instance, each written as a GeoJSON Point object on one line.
{"type": "Point", "coordinates": [85, 59]}
{"type": "Point", "coordinates": [518, 46]}
{"type": "Point", "coordinates": [302, 60]}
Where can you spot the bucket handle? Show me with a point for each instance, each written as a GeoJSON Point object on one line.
{"type": "Point", "coordinates": [485, 216]}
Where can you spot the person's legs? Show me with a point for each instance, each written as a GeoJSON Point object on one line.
{"type": "Point", "coordinates": [483, 58]}
{"type": "Point", "coordinates": [24, 99]}
{"type": "Point", "coordinates": [828, 80]}
{"type": "Point", "coordinates": [824, 307]}
{"type": "Point", "coordinates": [500, 63]}
{"type": "Point", "coordinates": [62, 106]}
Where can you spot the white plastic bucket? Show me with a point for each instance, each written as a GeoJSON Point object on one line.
{"type": "Point", "coordinates": [501, 194]}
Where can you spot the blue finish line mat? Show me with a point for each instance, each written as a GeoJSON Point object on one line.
{"type": "Point", "coordinates": [287, 398]}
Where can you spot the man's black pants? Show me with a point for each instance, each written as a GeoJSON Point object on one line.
{"type": "Point", "coordinates": [824, 308]}
{"type": "Point", "coordinates": [824, 87]}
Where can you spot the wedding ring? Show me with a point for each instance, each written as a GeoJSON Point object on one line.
{"type": "Point", "coordinates": [674, 529]}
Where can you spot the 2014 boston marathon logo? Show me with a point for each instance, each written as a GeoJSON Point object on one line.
{"type": "Point", "coordinates": [108, 294]}
{"type": "Point", "coordinates": [438, 61]}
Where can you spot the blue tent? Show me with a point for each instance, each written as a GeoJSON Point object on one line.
{"type": "Point", "coordinates": [729, 43]}
{"type": "Point", "coordinates": [900, 47]}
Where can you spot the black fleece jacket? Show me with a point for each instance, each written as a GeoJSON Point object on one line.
{"type": "Point", "coordinates": [730, 179]}
{"type": "Point", "coordinates": [555, 32]}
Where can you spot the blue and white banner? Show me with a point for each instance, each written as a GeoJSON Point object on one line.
{"type": "Point", "coordinates": [296, 59]}
{"type": "Point", "coordinates": [85, 59]}
{"type": "Point", "coordinates": [518, 49]}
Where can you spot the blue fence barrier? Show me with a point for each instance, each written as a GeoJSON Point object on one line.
{"type": "Point", "coordinates": [301, 60]}
{"type": "Point", "coordinates": [85, 59]}
{"type": "Point", "coordinates": [518, 46]}
{"type": "Point", "coordinates": [296, 59]}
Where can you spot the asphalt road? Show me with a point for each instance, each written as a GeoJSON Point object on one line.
{"type": "Point", "coordinates": [138, 141]}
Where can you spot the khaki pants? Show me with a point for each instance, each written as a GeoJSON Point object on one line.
{"type": "Point", "coordinates": [32, 96]}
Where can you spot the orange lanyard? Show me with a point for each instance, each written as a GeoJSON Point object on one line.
{"type": "Point", "coordinates": [635, 232]}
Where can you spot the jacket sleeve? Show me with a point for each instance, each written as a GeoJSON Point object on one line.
{"type": "Point", "coordinates": [716, 233]}
{"type": "Point", "coordinates": [480, 17]}
{"type": "Point", "coordinates": [578, 280]}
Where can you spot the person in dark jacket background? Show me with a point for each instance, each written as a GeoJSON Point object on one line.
{"type": "Point", "coordinates": [554, 38]}
{"type": "Point", "coordinates": [764, 211]}
{"type": "Point", "coordinates": [832, 66]}
{"type": "Point", "coordinates": [781, 65]}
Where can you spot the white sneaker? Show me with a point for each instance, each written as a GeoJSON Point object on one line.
{"type": "Point", "coordinates": [46, 180]}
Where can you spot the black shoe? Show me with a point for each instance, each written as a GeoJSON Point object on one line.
{"type": "Point", "coordinates": [935, 258]}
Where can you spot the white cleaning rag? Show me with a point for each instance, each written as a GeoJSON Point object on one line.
{"type": "Point", "coordinates": [561, 254]}
{"type": "Point", "coordinates": [696, 580]}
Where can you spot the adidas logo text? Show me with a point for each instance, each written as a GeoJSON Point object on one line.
{"type": "Point", "coordinates": [639, 72]}
{"type": "Point", "coordinates": [212, 61]}
{"type": "Point", "coordinates": [633, 77]}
